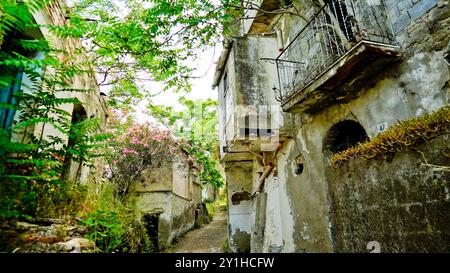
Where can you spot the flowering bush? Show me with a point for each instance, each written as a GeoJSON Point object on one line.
{"type": "Point", "coordinates": [137, 148]}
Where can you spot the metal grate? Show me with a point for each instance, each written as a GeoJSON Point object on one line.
{"type": "Point", "coordinates": [332, 32]}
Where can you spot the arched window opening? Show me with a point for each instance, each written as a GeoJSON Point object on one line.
{"type": "Point", "coordinates": [343, 135]}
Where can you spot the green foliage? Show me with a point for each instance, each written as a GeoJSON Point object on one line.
{"type": "Point", "coordinates": [112, 224]}
{"type": "Point", "coordinates": [409, 133]}
{"type": "Point", "coordinates": [106, 230]}
{"type": "Point", "coordinates": [196, 126]}
{"type": "Point", "coordinates": [209, 172]}
{"type": "Point", "coordinates": [32, 161]}
{"type": "Point", "coordinates": [137, 41]}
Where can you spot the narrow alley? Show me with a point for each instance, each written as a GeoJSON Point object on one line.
{"type": "Point", "coordinates": [210, 238]}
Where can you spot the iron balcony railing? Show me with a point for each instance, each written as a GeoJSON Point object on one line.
{"type": "Point", "coordinates": [332, 32]}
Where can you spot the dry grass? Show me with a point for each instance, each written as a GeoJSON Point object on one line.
{"type": "Point", "coordinates": [409, 133]}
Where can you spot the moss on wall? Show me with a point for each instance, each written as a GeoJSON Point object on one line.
{"type": "Point", "coordinates": [402, 202]}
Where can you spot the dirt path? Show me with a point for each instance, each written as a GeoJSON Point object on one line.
{"type": "Point", "coordinates": [207, 239]}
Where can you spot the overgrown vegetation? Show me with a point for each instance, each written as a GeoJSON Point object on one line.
{"type": "Point", "coordinates": [128, 43]}
{"type": "Point", "coordinates": [32, 162]}
{"type": "Point", "coordinates": [112, 224]}
{"type": "Point", "coordinates": [195, 126]}
{"type": "Point", "coordinates": [409, 133]}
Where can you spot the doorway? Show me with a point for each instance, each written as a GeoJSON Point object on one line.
{"type": "Point", "coordinates": [151, 222]}
{"type": "Point", "coordinates": [343, 135]}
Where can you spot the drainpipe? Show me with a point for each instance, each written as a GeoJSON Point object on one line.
{"type": "Point", "coordinates": [267, 171]}
{"type": "Point", "coordinates": [263, 177]}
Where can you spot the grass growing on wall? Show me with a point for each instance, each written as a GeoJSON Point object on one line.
{"type": "Point", "coordinates": [409, 133]}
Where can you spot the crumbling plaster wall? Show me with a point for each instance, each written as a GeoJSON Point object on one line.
{"type": "Point", "coordinates": [298, 205]}
{"type": "Point", "coordinates": [159, 203]}
{"type": "Point", "coordinates": [239, 177]}
{"type": "Point", "coordinates": [155, 194]}
{"type": "Point", "coordinates": [182, 184]}
{"type": "Point", "coordinates": [417, 84]}
{"type": "Point", "coordinates": [387, 102]}
{"type": "Point", "coordinates": [183, 217]}
{"type": "Point", "coordinates": [254, 83]}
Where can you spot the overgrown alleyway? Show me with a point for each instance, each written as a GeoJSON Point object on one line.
{"type": "Point", "coordinates": [209, 238]}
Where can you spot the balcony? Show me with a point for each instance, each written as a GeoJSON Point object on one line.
{"type": "Point", "coordinates": [343, 38]}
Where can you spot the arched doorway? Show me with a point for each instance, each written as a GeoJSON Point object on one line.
{"type": "Point", "coordinates": [343, 135]}
{"type": "Point", "coordinates": [340, 137]}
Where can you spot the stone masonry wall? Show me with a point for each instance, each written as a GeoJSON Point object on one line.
{"type": "Point", "coordinates": [404, 12]}
{"type": "Point", "coordinates": [399, 202]}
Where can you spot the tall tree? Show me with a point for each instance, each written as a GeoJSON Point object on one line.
{"type": "Point", "coordinates": [136, 41]}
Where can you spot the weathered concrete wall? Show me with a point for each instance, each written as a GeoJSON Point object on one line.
{"type": "Point", "coordinates": [176, 214]}
{"type": "Point", "coordinates": [182, 216]}
{"type": "Point", "coordinates": [398, 201]}
{"type": "Point", "coordinates": [239, 179]}
{"type": "Point", "coordinates": [297, 206]}
{"type": "Point", "coordinates": [169, 192]}
{"type": "Point", "coordinates": [157, 203]}
{"type": "Point", "coordinates": [182, 184]}
{"type": "Point", "coordinates": [307, 192]}
{"type": "Point", "coordinates": [154, 179]}
{"type": "Point", "coordinates": [258, 222]}
{"type": "Point", "coordinates": [197, 193]}
{"type": "Point", "coordinates": [415, 85]}
{"type": "Point", "coordinates": [254, 78]}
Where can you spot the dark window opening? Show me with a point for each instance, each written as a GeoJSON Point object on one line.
{"type": "Point", "coordinates": [299, 164]}
{"type": "Point", "coordinates": [343, 135]}
{"type": "Point", "coordinates": [151, 222]}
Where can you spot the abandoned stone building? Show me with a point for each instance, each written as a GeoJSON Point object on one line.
{"type": "Point", "coordinates": [297, 87]}
{"type": "Point", "coordinates": [169, 200]}
{"type": "Point", "coordinates": [91, 103]}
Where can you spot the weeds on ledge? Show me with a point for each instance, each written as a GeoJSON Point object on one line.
{"type": "Point", "coordinates": [409, 133]}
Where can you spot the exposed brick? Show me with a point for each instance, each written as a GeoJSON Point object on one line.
{"type": "Point", "coordinates": [401, 22]}
{"type": "Point", "coordinates": [395, 12]}
{"type": "Point", "coordinates": [404, 5]}
{"type": "Point", "coordinates": [421, 8]}
{"type": "Point", "coordinates": [391, 3]}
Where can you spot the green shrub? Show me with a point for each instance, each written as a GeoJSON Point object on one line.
{"type": "Point", "coordinates": [113, 225]}
{"type": "Point", "coordinates": [106, 230]}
